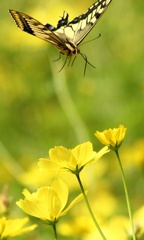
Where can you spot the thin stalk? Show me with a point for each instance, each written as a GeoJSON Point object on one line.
{"type": "Point", "coordinates": [126, 194]}
{"type": "Point", "coordinates": [55, 231]}
{"type": "Point", "coordinates": [89, 208]}
{"type": "Point", "coordinates": [68, 105]}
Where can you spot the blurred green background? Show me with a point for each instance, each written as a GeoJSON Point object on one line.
{"type": "Point", "coordinates": [41, 107]}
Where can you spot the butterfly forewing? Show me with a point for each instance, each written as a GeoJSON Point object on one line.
{"type": "Point", "coordinates": [83, 24]}
{"type": "Point", "coordinates": [34, 27]}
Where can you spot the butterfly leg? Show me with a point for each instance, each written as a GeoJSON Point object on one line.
{"type": "Point", "coordinates": [64, 64]}
{"type": "Point", "coordinates": [73, 61]}
{"type": "Point", "coordinates": [57, 58]}
{"type": "Point", "coordinates": [69, 61]}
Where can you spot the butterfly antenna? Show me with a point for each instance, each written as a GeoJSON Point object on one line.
{"type": "Point", "coordinates": [91, 39]}
{"type": "Point", "coordinates": [86, 62]}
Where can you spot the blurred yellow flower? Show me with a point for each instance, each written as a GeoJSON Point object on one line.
{"type": "Point", "coordinates": [114, 228]}
{"type": "Point", "coordinates": [112, 137]}
{"type": "Point", "coordinates": [35, 178]}
{"type": "Point", "coordinates": [48, 203]}
{"type": "Point", "coordinates": [139, 222]}
{"type": "Point", "coordinates": [73, 160]}
{"type": "Point", "coordinates": [12, 228]}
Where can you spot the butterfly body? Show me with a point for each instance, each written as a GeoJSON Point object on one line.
{"type": "Point", "coordinates": [67, 35]}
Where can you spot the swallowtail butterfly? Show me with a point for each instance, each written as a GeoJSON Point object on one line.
{"type": "Point", "coordinates": [67, 35]}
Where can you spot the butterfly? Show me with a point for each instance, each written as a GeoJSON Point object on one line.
{"type": "Point", "coordinates": [67, 35]}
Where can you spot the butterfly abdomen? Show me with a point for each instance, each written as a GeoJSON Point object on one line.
{"type": "Point", "coordinates": [70, 49]}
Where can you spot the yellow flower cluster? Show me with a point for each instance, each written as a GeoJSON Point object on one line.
{"type": "Point", "coordinates": [49, 203]}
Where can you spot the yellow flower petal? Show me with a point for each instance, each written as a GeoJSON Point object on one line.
{"type": "Point", "coordinates": [46, 163]}
{"type": "Point", "coordinates": [76, 200]}
{"type": "Point", "coordinates": [63, 194]}
{"type": "Point", "coordinates": [47, 203]}
{"type": "Point", "coordinates": [60, 156]}
{"type": "Point", "coordinates": [38, 204]}
{"type": "Point", "coordinates": [72, 160]}
{"type": "Point", "coordinates": [83, 153]}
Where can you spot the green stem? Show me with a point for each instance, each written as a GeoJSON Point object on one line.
{"type": "Point", "coordinates": [126, 194]}
{"type": "Point", "coordinates": [89, 208]}
{"type": "Point", "coordinates": [55, 231]}
{"type": "Point", "coordinates": [67, 104]}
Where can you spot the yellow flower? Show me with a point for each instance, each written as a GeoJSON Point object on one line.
{"type": "Point", "coordinates": [112, 137]}
{"type": "Point", "coordinates": [48, 203]}
{"type": "Point", "coordinates": [73, 160]}
{"type": "Point", "coordinates": [12, 228]}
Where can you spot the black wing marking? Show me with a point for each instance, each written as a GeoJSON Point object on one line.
{"type": "Point", "coordinates": [62, 22]}
{"type": "Point", "coordinates": [82, 25]}
{"type": "Point", "coordinates": [34, 27]}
